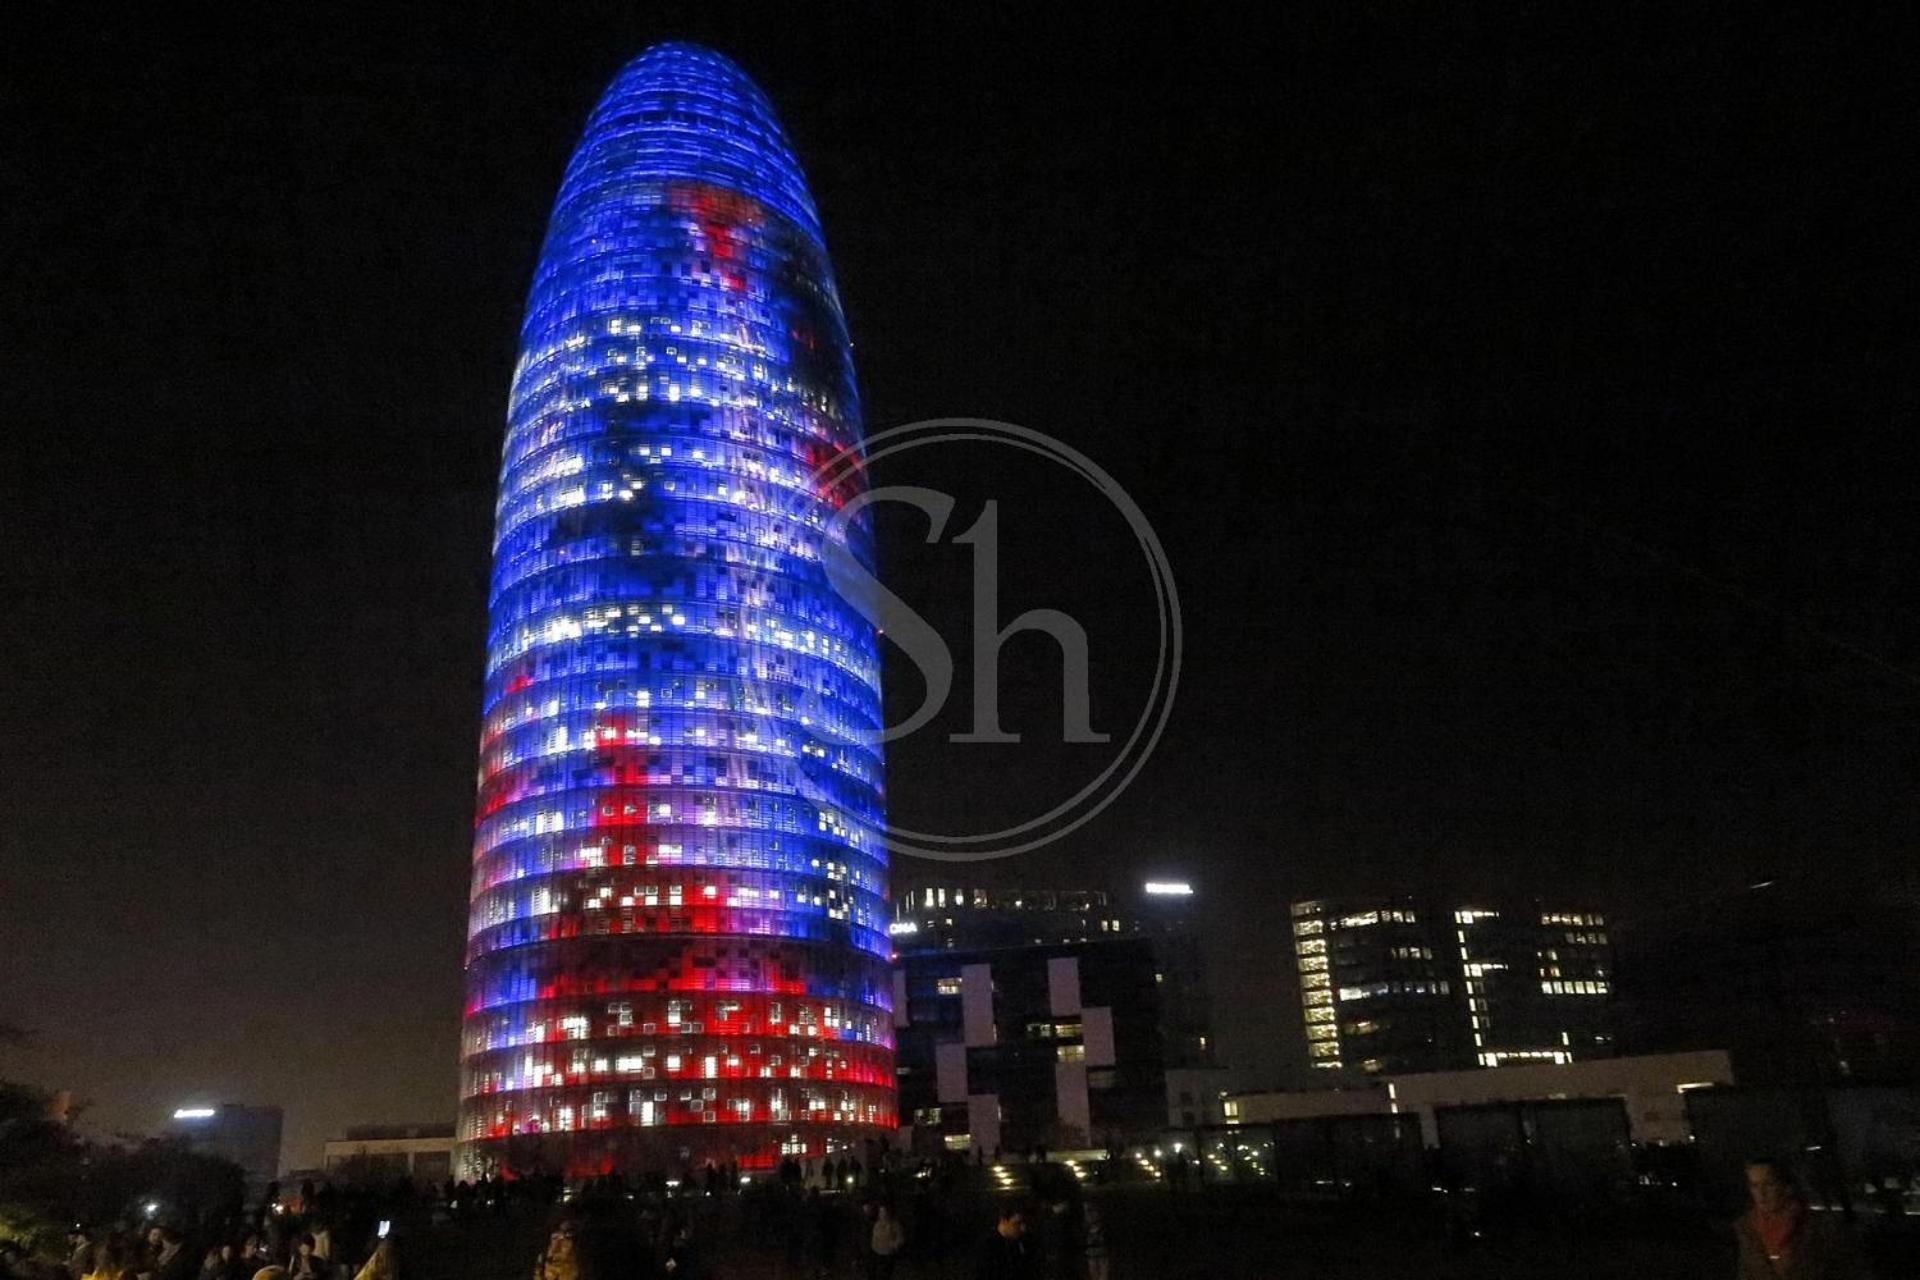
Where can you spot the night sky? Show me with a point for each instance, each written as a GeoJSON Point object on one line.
{"type": "Point", "coordinates": [1526, 410]}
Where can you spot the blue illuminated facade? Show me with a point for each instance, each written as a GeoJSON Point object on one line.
{"type": "Point", "coordinates": [677, 941]}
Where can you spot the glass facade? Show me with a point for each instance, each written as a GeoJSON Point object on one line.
{"type": "Point", "coordinates": [1412, 984]}
{"type": "Point", "coordinates": [1377, 993]}
{"type": "Point", "coordinates": [935, 915]}
{"type": "Point", "coordinates": [677, 946]}
{"type": "Point", "coordinates": [1058, 1044]}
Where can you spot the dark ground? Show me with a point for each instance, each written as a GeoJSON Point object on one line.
{"type": "Point", "coordinates": [1229, 1234]}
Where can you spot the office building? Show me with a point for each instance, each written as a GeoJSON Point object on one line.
{"type": "Point", "coordinates": [677, 946]}
{"type": "Point", "coordinates": [246, 1136]}
{"type": "Point", "coordinates": [1056, 1044]}
{"type": "Point", "coordinates": [1404, 984]}
{"type": "Point", "coordinates": [930, 916]}
{"type": "Point", "coordinates": [936, 914]}
{"type": "Point", "coordinates": [1653, 1089]}
{"type": "Point", "coordinates": [383, 1152]}
{"type": "Point", "coordinates": [1049, 1017]}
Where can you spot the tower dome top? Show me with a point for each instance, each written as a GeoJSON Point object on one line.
{"type": "Point", "coordinates": [682, 111]}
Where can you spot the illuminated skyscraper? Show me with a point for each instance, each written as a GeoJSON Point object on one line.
{"type": "Point", "coordinates": [1414, 983]}
{"type": "Point", "coordinates": [677, 943]}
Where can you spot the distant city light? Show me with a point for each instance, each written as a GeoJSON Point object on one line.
{"type": "Point", "coordinates": [1169, 888]}
{"type": "Point", "coordinates": [193, 1113]}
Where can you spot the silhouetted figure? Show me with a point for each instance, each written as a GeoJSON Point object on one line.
{"type": "Point", "coordinates": [680, 1259]}
{"type": "Point", "coordinates": [824, 1223]}
{"type": "Point", "coordinates": [1006, 1254]}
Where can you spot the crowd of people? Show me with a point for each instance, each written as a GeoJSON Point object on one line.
{"type": "Point", "coordinates": [822, 1219]}
{"type": "Point", "coordinates": [167, 1252]}
{"type": "Point", "coordinates": [603, 1232]}
{"type": "Point", "coordinates": [837, 1217]}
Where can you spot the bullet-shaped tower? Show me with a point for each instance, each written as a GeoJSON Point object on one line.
{"type": "Point", "coordinates": [677, 942]}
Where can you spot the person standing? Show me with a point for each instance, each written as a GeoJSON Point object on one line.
{"type": "Point", "coordinates": [884, 1242]}
{"type": "Point", "coordinates": [1007, 1255]}
{"type": "Point", "coordinates": [1781, 1238]}
{"type": "Point", "coordinates": [560, 1260]}
{"type": "Point", "coordinates": [254, 1254]}
{"type": "Point", "coordinates": [307, 1264]}
{"type": "Point", "coordinates": [170, 1259]}
{"type": "Point", "coordinates": [322, 1232]}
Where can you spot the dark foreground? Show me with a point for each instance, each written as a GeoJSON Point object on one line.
{"type": "Point", "coordinates": [1219, 1233]}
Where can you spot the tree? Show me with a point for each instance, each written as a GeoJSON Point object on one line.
{"type": "Point", "coordinates": [40, 1159]}
{"type": "Point", "coordinates": [50, 1177]}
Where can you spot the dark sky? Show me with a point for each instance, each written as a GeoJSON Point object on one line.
{"type": "Point", "coordinates": [1525, 405]}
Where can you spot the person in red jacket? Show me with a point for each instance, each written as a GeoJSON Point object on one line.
{"type": "Point", "coordinates": [1781, 1238]}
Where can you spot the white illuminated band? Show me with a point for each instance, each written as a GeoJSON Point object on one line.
{"type": "Point", "coordinates": [1169, 888]}
{"type": "Point", "coordinates": [193, 1113]}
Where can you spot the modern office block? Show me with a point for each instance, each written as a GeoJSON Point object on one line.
{"type": "Point", "coordinates": [1057, 1045]}
{"type": "Point", "coordinates": [933, 914]}
{"type": "Point", "coordinates": [1417, 983]}
{"type": "Point", "coordinates": [677, 945]}
{"type": "Point", "coordinates": [247, 1136]}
